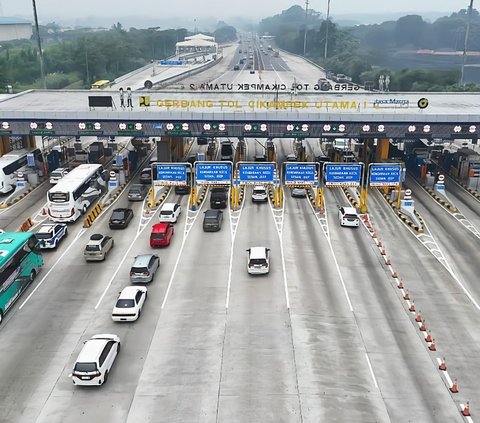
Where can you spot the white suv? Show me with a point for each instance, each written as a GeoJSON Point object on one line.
{"type": "Point", "coordinates": [258, 262]}
{"type": "Point", "coordinates": [170, 212]}
{"type": "Point", "coordinates": [348, 216]}
{"type": "Point", "coordinates": [259, 193]}
{"type": "Point", "coordinates": [95, 360]}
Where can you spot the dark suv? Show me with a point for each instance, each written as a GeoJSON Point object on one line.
{"type": "Point", "coordinates": [138, 192]}
{"type": "Point", "coordinates": [212, 221]}
{"type": "Point", "coordinates": [218, 197]}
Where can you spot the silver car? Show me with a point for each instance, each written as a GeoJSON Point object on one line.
{"type": "Point", "coordinates": [144, 268]}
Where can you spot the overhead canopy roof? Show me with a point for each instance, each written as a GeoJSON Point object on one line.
{"type": "Point", "coordinates": [196, 43]}
{"type": "Point", "coordinates": [200, 37]}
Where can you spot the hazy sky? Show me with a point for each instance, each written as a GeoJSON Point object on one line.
{"type": "Point", "coordinates": [49, 10]}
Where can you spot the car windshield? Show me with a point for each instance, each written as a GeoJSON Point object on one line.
{"type": "Point", "coordinates": [259, 191]}
{"type": "Point", "coordinates": [139, 270]}
{"type": "Point", "coordinates": [43, 235]}
{"type": "Point", "coordinates": [258, 261]}
{"type": "Point", "coordinates": [351, 216]}
{"type": "Point", "coordinates": [135, 190]}
{"type": "Point", "coordinates": [85, 367]}
{"type": "Point", "coordinates": [158, 236]}
{"type": "Point", "coordinates": [118, 215]}
{"type": "Point", "coordinates": [92, 248]}
{"type": "Point", "coordinates": [125, 303]}
{"type": "Point", "coordinates": [166, 212]}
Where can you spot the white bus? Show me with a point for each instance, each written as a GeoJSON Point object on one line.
{"type": "Point", "coordinates": [75, 192]}
{"type": "Point", "coordinates": [9, 164]}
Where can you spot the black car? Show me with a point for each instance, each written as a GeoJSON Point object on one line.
{"type": "Point", "coordinates": [120, 218]}
{"type": "Point", "coordinates": [212, 221]}
{"type": "Point", "coordinates": [146, 176]}
{"type": "Point", "coordinates": [182, 189]}
{"type": "Point", "coordinates": [202, 140]}
{"type": "Point", "coordinates": [236, 67]}
{"type": "Point", "coordinates": [218, 198]}
{"type": "Point", "coordinates": [138, 192]}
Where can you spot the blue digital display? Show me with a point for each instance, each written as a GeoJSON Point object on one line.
{"type": "Point", "coordinates": [300, 174]}
{"type": "Point", "coordinates": [171, 174]}
{"type": "Point", "coordinates": [171, 62]}
{"type": "Point", "coordinates": [343, 174]}
{"type": "Point", "coordinates": [251, 173]}
{"type": "Point", "coordinates": [213, 173]}
{"type": "Point", "coordinates": [385, 175]}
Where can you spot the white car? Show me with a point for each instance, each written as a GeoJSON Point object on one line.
{"type": "Point", "coordinates": [49, 235]}
{"type": "Point", "coordinates": [58, 174]}
{"type": "Point", "coordinates": [129, 304]}
{"type": "Point", "coordinates": [96, 360]}
{"type": "Point", "coordinates": [259, 193]}
{"type": "Point", "coordinates": [170, 212]}
{"type": "Point", "coordinates": [258, 262]}
{"type": "Point", "coordinates": [348, 216]}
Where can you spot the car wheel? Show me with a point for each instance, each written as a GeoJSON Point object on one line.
{"type": "Point", "coordinates": [33, 273]}
{"type": "Point", "coordinates": [139, 313]}
{"type": "Point", "coordinates": [146, 295]}
{"type": "Point", "coordinates": [1, 316]}
{"type": "Point", "coordinates": [118, 348]}
{"type": "Point", "coordinates": [84, 210]}
{"type": "Point", "coordinates": [105, 378]}
{"type": "Point", "coordinates": [113, 243]}
{"type": "Point", "coordinates": [66, 232]}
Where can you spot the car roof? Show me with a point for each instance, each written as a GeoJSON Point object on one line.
{"type": "Point", "coordinates": [350, 210]}
{"type": "Point", "coordinates": [168, 206]}
{"type": "Point", "coordinates": [259, 187]}
{"type": "Point", "coordinates": [121, 209]}
{"type": "Point", "coordinates": [258, 252]}
{"type": "Point", "coordinates": [91, 350]}
{"type": "Point", "coordinates": [46, 228]}
{"type": "Point", "coordinates": [161, 227]}
{"type": "Point", "coordinates": [59, 170]}
{"type": "Point", "coordinates": [129, 292]}
{"type": "Point", "coordinates": [142, 260]}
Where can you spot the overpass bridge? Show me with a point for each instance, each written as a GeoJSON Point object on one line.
{"type": "Point", "coordinates": [243, 110]}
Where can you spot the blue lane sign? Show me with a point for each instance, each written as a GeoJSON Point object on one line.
{"type": "Point", "coordinates": [171, 62]}
{"type": "Point", "coordinates": [251, 173]}
{"type": "Point", "coordinates": [385, 175]}
{"type": "Point", "coordinates": [346, 175]}
{"type": "Point", "coordinates": [211, 173]}
{"type": "Point", "coordinates": [300, 174]}
{"type": "Point", "coordinates": [31, 159]}
{"type": "Point", "coordinates": [171, 174]}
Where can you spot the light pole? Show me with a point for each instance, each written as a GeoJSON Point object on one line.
{"type": "Point", "coordinates": [306, 28]}
{"type": "Point", "coordinates": [467, 31]}
{"type": "Point", "coordinates": [39, 43]}
{"type": "Point", "coordinates": [326, 31]}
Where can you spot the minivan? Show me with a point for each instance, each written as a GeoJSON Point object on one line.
{"type": "Point", "coordinates": [212, 220]}
{"type": "Point", "coordinates": [258, 262]}
{"type": "Point", "coordinates": [95, 360]}
{"type": "Point", "coordinates": [144, 268]}
{"type": "Point", "coordinates": [259, 193]}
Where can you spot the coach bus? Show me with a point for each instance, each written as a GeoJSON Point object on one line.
{"type": "Point", "coordinates": [75, 192]}
{"type": "Point", "coordinates": [20, 262]}
{"type": "Point", "coordinates": [9, 164]}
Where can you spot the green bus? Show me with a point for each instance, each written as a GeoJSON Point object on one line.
{"type": "Point", "coordinates": [20, 262]}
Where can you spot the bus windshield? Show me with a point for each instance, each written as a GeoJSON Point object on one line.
{"type": "Point", "coordinates": [58, 197]}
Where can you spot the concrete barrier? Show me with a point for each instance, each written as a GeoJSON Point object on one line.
{"type": "Point", "coordinates": [92, 215]}
{"type": "Point", "coordinates": [404, 218]}
{"type": "Point", "coordinates": [26, 225]}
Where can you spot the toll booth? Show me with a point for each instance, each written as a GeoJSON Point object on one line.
{"type": "Point", "coordinates": [170, 149]}
{"type": "Point", "coordinates": [419, 163]}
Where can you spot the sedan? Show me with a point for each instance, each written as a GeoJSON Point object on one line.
{"type": "Point", "coordinates": [129, 304]}
{"type": "Point", "coordinates": [138, 192]}
{"type": "Point", "coordinates": [299, 192]}
{"type": "Point", "coordinates": [120, 218]}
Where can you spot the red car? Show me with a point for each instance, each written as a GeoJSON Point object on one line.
{"type": "Point", "coordinates": [161, 234]}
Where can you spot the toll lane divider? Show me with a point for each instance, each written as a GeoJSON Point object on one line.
{"type": "Point", "coordinates": [114, 196]}
{"type": "Point", "coordinates": [440, 200]}
{"type": "Point", "coordinates": [404, 218]}
{"type": "Point", "coordinates": [418, 318]}
{"type": "Point", "coordinates": [311, 196]}
{"type": "Point", "coordinates": [26, 225]}
{"type": "Point", "coordinates": [162, 197]}
{"type": "Point", "coordinates": [92, 215]}
{"type": "Point", "coordinates": [351, 198]}
{"type": "Point", "coordinates": [201, 196]}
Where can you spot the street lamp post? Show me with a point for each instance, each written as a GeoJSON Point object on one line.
{"type": "Point", "coordinates": [39, 43]}
{"type": "Point", "coordinates": [306, 29]}
{"type": "Point", "coordinates": [465, 46]}
{"type": "Point", "coordinates": [326, 32]}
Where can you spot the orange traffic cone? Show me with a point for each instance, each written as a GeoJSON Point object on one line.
{"type": "Point", "coordinates": [400, 285]}
{"type": "Point", "coordinates": [454, 388]}
{"type": "Point", "coordinates": [443, 365]}
{"type": "Point", "coordinates": [432, 346]}
{"type": "Point", "coordinates": [406, 296]}
{"type": "Point", "coordinates": [411, 309]}
{"type": "Point", "coordinates": [466, 410]}
{"type": "Point", "coordinates": [429, 338]}
{"type": "Point", "coordinates": [423, 327]}
{"type": "Point", "coordinates": [418, 317]}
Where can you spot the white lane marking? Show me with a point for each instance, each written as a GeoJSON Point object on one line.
{"type": "Point", "coordinates": [116, 271]}
{"type": "Point", "coordinates": [80, 233]}
{"type": "Point", "coordinates": [174, 271]}
{"type": "Point", "coordinates": [234, 234]}
{"type": "Point", "coordinates": [279, 227]}
{"type": "Point", "coordinates": [371, 371]}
